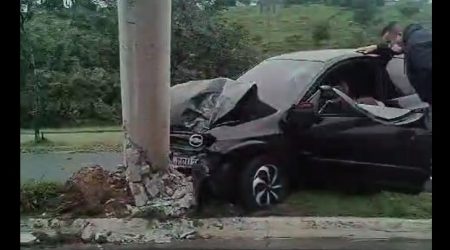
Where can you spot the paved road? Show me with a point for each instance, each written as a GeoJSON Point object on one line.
{"type": "Point", "coordinates": [60, 166]}
{"type": "Point", "coordinates": [281, 244]}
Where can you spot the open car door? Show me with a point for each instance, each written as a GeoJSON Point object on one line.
{"type": "Point", "coordinates": [373, 141]}
{"type": "Point", "coordinates": [384, 115]}
{"type": "Point", "coordinates": [370, 141]}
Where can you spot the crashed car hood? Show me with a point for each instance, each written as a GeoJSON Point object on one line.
{"type": "Point", "coordinates": [200, 105]}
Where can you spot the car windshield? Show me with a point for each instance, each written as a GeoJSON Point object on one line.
{"type": "Point", "coordinates": [281, 82]}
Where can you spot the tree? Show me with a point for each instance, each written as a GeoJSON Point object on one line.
{"type": "Point", "coordinates": [72, 48]}
{"type": "Point", "coordinates": [76, 56]}
{"type": "Point", "coordinates": [28, 69]}
{"type": "Point", "coordinates": [205, 46]}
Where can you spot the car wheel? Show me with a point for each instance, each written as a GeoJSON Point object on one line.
{"type": "Point", "coordinates": [263, 183]}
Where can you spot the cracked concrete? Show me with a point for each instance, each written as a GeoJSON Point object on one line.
{"type": "Point", "coordinates": [138, 230]}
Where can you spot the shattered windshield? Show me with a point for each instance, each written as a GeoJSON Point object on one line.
{"type": "Point", "coordinates": [281, 82]}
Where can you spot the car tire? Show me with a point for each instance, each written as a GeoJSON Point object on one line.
{"type": "Point", "coordinates": [263, 183]}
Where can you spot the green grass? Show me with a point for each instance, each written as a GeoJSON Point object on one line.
{"type": "Point", "coordinates": [383, 204]}
{"type": "Point", "coordinates": [290, 29]}
{"type": "Point", "coordinates": [73, 140]}
{"type": "Point", "coordinates": [39, 196]}
{"type": "Point", "coordinates": [72, 130]}
{"type": "Point", "coordinates": [333, 204]}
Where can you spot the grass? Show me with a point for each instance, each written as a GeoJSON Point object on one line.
{"type": "Point", "coordinates": [73, 129]}
{"type": "Point", "coordinates": [290, 29]}
{"type": "Point", "coordinates": [332, 204]}
{"type": "Point", "coordinates": [73, 139]}
{"type": "Point", "coordinates": [384, 204]}
{"type": "Point", "coordinates": [39, 196]}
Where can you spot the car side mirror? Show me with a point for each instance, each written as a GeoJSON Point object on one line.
{"type": "Point", "coordinates": [299, 117]}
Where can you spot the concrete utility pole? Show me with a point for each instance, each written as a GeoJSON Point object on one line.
{"type": "Point", "coordinates": [144, 34]}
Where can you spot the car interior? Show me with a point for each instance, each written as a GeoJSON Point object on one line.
{"type": "Point", "coordinates": [362, 87]}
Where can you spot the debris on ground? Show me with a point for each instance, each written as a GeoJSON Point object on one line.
{"type": "Point", "coordinates": [140, 230]}
{"type": "Point", "coordinates": [27, 239]}
{"type": "Point", "coordinates": [167, 193]}
{"type": "Point", "coordinates": [96, 191]}
{"type": "Point", "coordinates": [171, 193]}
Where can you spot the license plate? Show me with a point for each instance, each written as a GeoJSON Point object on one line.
{"type": "Point", "coordinates": [184, 162]}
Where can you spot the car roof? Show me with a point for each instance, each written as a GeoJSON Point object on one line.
{"type": "Point", "coordinates": [324, 55]}
{"type": "Point", "coordinates": [318, 55]}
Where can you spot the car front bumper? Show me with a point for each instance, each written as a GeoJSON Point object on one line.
{"type": "Point", "coordinates": [213, 178]}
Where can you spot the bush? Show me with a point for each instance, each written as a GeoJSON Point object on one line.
{"type": "Point", "coordinates": [364, 11]}
{"type": "Point", "coordinates": [408, 9]}
{"type": "Point", "coordinates": [321, 32]}
{"type": "Point", "coordinates": [38, 196]}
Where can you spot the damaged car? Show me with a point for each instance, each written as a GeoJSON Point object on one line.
{"type": "Point", "coordinates": [305, 117]}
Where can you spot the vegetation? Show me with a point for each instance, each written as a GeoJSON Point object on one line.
{"type": "Point", "coordinates": [88, 139]}
{"type": "Point", "coordinates": [330, 204]}
{"type": "Point", "coordinates": [293, 28]}
{"type": "Point", "coordinates": [383, 204]}
{"type": "Point", "coordinates": [36, 196]}
{"type": "Point", "coordinates": [70, 58]}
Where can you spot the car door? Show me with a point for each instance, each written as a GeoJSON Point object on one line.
{"type": "Point", "coordinates": [368, 142]}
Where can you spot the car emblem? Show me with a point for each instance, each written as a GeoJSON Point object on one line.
{"type": "Point", "coordinates": [196, 140]}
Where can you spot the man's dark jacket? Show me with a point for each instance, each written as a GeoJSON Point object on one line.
{"type": "Point", "coordinates": [418, 58]}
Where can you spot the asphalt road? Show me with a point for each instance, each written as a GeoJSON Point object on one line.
{"type": "Point", "coordinates": [60, 166]}
{"type": "Point", "coordinates": [269, 244]}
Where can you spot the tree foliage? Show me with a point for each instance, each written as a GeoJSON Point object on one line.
{"type": "Point", "coordinates": [76, 57]}
{"type": "Point", "coordinates": [409, 8]}
{"type": "Point", "coordinates": [364, 11]}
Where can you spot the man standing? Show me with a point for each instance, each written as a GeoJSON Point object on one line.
{"type": "Point", "coordinates": [416, 43]}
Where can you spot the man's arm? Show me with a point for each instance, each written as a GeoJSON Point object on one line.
{"type": "Point", "coordinates": [382, 49]}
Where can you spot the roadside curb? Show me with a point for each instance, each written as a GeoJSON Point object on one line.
{"type": "Point", "coordinates": [138, 230]}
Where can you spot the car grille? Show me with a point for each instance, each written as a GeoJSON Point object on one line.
{"type": "Point", "coordinates": [182, 142]}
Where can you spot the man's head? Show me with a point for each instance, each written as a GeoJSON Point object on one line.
{"type": "Point", "coordinates": [392, 33]}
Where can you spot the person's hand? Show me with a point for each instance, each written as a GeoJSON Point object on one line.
{"type": "Point", "coordinates": [367, 49]}
{"type": "Point", "coordinates": [397, 48]}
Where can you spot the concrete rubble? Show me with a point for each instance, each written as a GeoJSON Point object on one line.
{"type": "Point", "coordinates": [139, 230]}
{"type": "Point", "coordinates": [27, 238]}
{"type": "Point", "coordinates": [167, 193]}
{"type": "Point", "coordinates": [96, 191]}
